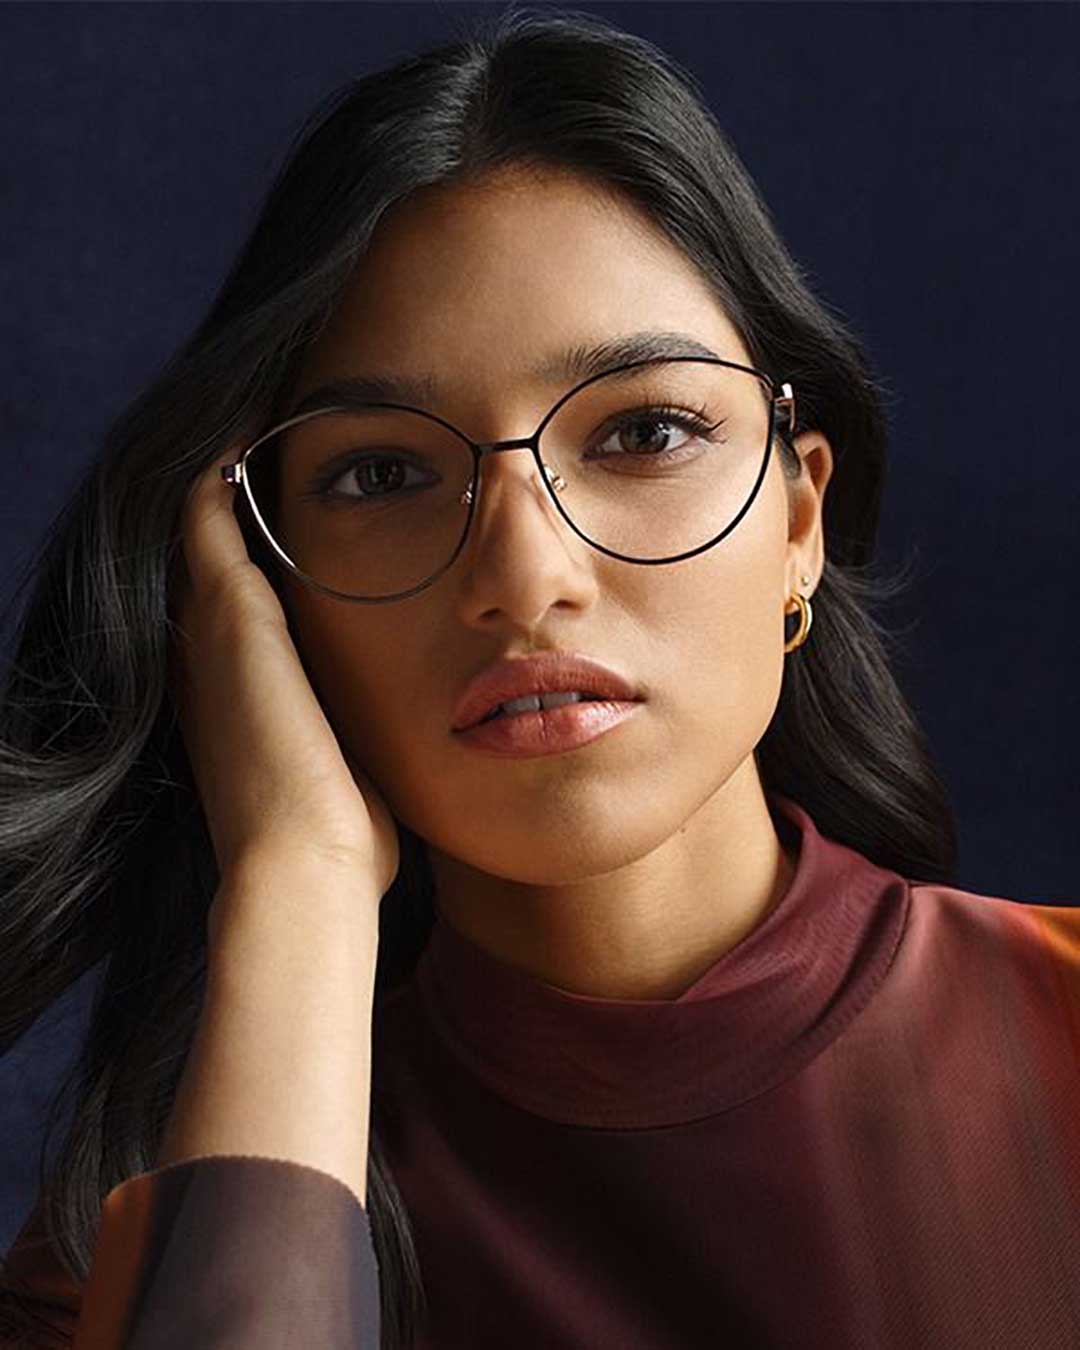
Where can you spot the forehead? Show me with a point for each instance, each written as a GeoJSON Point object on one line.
{"type": "Point", "coordinates": [530, 279]}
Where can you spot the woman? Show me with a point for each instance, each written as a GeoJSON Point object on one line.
{"type": "Point", "coordinates": [461, 660]}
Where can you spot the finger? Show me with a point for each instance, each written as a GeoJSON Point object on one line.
{"type": "Point", "coordinates": [208, 494]}
{"type": "Point", "coordinates": [211, 539]}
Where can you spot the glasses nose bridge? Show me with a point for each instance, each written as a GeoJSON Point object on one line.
{"type": "Point", "coordinates": [483, 448]}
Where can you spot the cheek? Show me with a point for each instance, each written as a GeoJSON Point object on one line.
{"type": "Point", "coordinates": [715, 626]}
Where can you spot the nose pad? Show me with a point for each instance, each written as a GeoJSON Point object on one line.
{"type": "Point", "coordinates": [553, 476]}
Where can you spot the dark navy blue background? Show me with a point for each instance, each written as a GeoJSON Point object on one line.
{"type": "Point", "coordinates": [920, 161]}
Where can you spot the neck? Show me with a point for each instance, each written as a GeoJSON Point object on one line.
{"type": "Point", "coordinates": [647, 930]}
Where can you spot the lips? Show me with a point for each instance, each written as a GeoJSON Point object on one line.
{"type": "Point", "coordinates": [542, 673]}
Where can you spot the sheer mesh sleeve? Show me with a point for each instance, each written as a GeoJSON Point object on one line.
{"type": "Point", "coordinates": [231, 1252]}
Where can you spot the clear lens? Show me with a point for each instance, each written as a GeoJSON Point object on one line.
{"type": "Point", "coordinates": [650, 462]}
{"type": "Point", "coordinates": [658, 460]}
{"type": "Point", "coordinates": [368, 502]}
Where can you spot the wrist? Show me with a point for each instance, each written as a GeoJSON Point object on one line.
{"type": "Point", "coordinates": [297, 890]}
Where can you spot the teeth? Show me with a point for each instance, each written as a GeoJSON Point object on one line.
{"type": "Point", "coordinates": [534, 702]}
{"type": "Point", "coordinates": [557, 700]}
{"type": "Point", "coordinates": [530, 703]}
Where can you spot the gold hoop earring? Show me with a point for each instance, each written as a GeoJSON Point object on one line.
{"type": "Point", "coordinates": [806, 618]}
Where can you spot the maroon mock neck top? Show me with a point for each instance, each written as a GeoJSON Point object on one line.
{"type": "Point", "coordinates": [859, 1129]}
{"type": "Point", "coordinates": [755, 1017]}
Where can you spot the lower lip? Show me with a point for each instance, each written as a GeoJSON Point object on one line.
{"type": "Point", "coordinates": [551, 731]}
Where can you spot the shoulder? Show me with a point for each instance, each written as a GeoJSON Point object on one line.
{"type": "Point", "coordinates": [1041, 920]}
{"type": "Point", "coordinates": [1041, 938]}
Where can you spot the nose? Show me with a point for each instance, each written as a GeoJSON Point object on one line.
{"type": "Point", "coordinates": [521, 558]}
{"type": "Point", "coordinates": [512, 467]}
{"type": "Point", "coordinates": [553, 476]}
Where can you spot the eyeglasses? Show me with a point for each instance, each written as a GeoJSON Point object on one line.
{"type": "Point", "coordinates": [651, 462]}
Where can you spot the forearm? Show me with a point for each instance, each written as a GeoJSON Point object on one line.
{"type": "Point", "coordinates": [280, 1065]}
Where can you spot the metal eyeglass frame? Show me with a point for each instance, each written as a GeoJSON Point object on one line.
{"type": "Point", "coordinates": [235, 473]}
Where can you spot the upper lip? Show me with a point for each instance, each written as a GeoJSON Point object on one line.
{"type": "Point", "coordinates": [545, 673]}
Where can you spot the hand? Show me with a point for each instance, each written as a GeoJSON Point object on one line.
{"type": "Point", "coordinates": [271, 774]}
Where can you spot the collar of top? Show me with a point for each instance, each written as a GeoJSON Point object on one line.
{"type": "Point", "coordinates": [766, 1008]}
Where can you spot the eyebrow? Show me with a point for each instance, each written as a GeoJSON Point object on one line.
{"type": "Point", "coordinates": [577, 364]}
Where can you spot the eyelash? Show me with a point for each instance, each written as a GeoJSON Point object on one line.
{"type": "Point", "coordinates": [686, 419]}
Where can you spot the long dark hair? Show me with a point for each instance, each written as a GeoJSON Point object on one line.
{"type": "Point", "coordinates": [104, 850]}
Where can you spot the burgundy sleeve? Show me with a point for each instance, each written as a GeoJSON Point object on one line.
{"type": "Point", "coordinates": [231, 1252]}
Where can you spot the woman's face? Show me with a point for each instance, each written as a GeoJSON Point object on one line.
{"type": "Point", "coordinates": [476, 287]}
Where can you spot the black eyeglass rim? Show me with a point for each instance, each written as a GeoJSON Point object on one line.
{"type": "Point", "coordinates": [236, 474]}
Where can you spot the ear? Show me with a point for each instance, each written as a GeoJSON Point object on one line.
{"type": "Point", "coordinates": [806, 500]}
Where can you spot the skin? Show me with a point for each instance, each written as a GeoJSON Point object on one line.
{"type": "Point", "coordinates": [626, 868]}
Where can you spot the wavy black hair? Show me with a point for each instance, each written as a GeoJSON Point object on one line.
{"type": "Point", "coordinates": [105, 854]}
